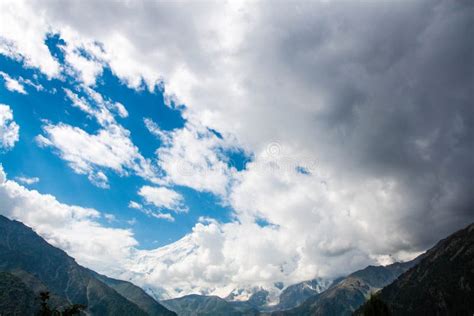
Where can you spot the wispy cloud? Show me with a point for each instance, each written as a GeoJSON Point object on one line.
{"type": "Point", "coordinates": [12, 84]}
{"type": "Point", "coordinates": [27, 180]}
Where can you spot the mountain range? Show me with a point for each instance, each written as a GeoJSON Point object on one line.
{"type": "Point", "coordinates": [347, 294]}
{"type": "Point", "coordinates": [313, 297]}
{"type": "Point", "coordinates": [438, 282]}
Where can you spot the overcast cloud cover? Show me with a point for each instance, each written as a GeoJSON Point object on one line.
{"type": "Point", "coordinates": [358, 117]}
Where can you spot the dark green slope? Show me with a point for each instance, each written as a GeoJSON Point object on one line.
{"type": "Point", "coordinates": [136, 295]}
{"type": "Point", "coordinates": [15, 297]}
{"type": "Point", "coordinates": [441, 284]}
{"type": "Point", "coordinates": [35, 285]}
{"type": "Point", "coordinates": [21, 249]}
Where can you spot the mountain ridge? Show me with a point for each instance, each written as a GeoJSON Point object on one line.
{"type": "Point", "coordinates": [442, 283]}
{"type": "Point", "coordinates": [346, 295]}
{"type": "Point", "coordinates": [25, 253]}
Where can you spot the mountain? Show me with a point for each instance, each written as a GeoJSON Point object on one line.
{"type": "Point", "coordinates": [346, 295]}
{"type": "Point", "coordinates": [28, 261]}
{"type": "Point", "coordinates": [15, 297]}
{"type": "Point", "coordinates": [135, 295]}
{"type": "Point", "coordinates": [250, 301]}
{"type": "Point", "coordinates": [296, 294]}
{"type": "Point", "coordinates": [145, 263]}
{"type": "Point", "coordinates": [201, 305]}
{"type": "Point", "coordinates": [244, 301]}
{"type": "Point", "coordinates": [256, 298]}
{"type": "Point", "coordinates": [442, 283]}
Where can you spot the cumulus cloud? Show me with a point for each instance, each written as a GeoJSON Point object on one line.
{"type": "Point", "coordinates": [378, 93]}
{"type": "Point", "coordinates": [18, 28]}
{"type": "Point", "coordinates": [162, 197]}
{"type": "Point", "coordinates": [192, 156]}
{"type": "Point", "coordinates": [83, 61]}
{"type": "Point", "coordinates": [9, 129]}
{"type": "Point", "coordinates": [73, 228]}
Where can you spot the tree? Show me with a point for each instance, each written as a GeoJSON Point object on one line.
{"type": "Point", "coordinates": [45, 310]}
{"type": "Point", "coordinates": [374, 307]}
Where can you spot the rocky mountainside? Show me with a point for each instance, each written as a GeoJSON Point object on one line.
{"type": "Point", "coordinates": [442, 283]}
{"type": "Point", "coordinates": [313, 297]}
{"type": "Point", "coordinates": [234, 304]}
{"type": "Point", "coordinates": [346, 295]}
{"type": "Point", "coordinates": [28, 261]}
{"type": "Point", "coordinates": [295, 294]}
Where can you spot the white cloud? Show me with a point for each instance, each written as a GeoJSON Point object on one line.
{"type": "Point", "coordinates": [132, 222]}
{"type": "Point", "coordinates": [29, 82]}
{"type": "Point", "coordinates": [155, 130]}
{"type": "Point", "coordinates": [72, 228]}
{"type": "Point", "coordinates": [28, 180]}
{"type": "Point", "coordinates": [135, 205]}
{"type": "Point", "coordinates": [86, 153]}
{"type": "Point", "coordinates": [190, 157]}
{"type": "Point", "coordinates": [110, 217]}
{"type": "Point", "coordinates": [98, 178]}
{"type": "Point", "coordinates": [18, 29]}
{"type": "Point", "coordinates": [92, 154]}
{"type": "Point", "coordinates": [12, 84]}
{"type": "Point", "coordinates": [83, 68]}
{"type": "Point", "coordinates": [162, 197]}
{"type": "Point", "coordinates": [314, 230]}
{"type": "Point", "coordinates": [158, 214]}
{"type": "Point", "coordinates": [9, 129]}
{"type": "Point", "coordinates": [96, 106]}
{"type": "Point", "coordinates": [120, 109]}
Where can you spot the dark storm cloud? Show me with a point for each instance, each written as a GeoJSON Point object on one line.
{"type": "Point", "coordinates": [397, 83]}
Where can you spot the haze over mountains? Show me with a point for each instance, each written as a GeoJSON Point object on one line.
{"type": "Point", "coordinates": [441, 281]}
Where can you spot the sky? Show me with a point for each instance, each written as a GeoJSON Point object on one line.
{"type": "Point", "coordinates": [199, 147]}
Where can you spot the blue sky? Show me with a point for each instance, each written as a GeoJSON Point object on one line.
{"type": "Point", "coordinates": [27, 159]}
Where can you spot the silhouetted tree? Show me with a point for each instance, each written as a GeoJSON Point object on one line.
{"type": "Point", "coordinates": [374, 307]}
{"type": "Point", "coordinates": [45, 310]}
